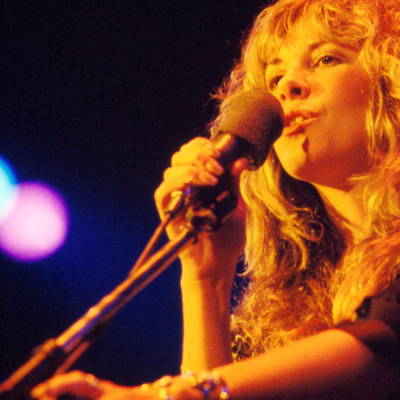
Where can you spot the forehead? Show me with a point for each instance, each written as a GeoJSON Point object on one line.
{"type": "Point", "coordinates": [306, 33]}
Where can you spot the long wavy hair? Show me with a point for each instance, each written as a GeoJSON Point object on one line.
{"type": "Point", "coordinates": [302, 277]}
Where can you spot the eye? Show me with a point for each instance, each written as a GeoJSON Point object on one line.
{"type": "Point", "coordinates": [273, 82]}
{"type": "Point", "coordinates": [327, 61]}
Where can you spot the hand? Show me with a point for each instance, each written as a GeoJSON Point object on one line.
{"type": "Point", "coordinates": [85, 386]}
{"type": "Point", "coordinates": [195, 163]}
{"type": "Point", "coordinates": [82, 386]}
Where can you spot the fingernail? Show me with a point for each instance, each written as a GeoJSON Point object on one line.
{"type": "Point", "coordinates": [212, 150]}
{"type": "Point", "coordinates": [213, 167]}
{"type": "Point", "coordinates": [207, 178]}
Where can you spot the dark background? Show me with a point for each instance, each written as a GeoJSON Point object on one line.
{"type": "Point", "coordinates": [95, 97]}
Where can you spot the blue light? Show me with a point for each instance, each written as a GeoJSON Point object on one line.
{"type": "Point", "coordinates": [8, 187]}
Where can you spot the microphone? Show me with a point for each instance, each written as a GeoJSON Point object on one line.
{"type": "Point", "coordinates": [253, 121]}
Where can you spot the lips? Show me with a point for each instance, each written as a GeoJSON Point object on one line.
{"type": "Point", "coordinates": [296, 122]}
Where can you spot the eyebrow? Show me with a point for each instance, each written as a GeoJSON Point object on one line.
{"type": "Point", "coordinates": [311, 47]}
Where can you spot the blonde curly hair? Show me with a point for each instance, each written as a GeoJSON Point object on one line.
{"type": "Point", "coordinates": [303, 278]}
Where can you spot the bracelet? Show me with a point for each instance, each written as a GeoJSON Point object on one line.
{"type": "Point", "coordinates": [207, 382]}
{"type": "Point", "coordinates": [162, 385]}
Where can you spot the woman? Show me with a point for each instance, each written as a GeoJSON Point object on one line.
{"type": "Point", "coordinates": [319, 222]}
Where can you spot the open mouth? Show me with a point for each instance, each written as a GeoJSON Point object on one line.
{"type": "Point", "coordinates": [296, 120]}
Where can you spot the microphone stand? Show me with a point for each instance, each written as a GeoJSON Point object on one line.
{"type": "Point", "coordinates": [56, 355]}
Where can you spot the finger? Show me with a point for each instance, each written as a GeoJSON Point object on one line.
{"type": "Point", "coordinates": [236, 170]}
{"type": "Point", "coordinates": [199, 143]}
{"type": "Point", "coordinates": [75, 383]}
{"type": "Point", "coordinates": [177, 178]}
{"type": "Point", "coordinates": [201, 153]}
{"type": "Point", "coordinates": [180, 176]}
{"type": "Point", "coordinates": [239, 166]}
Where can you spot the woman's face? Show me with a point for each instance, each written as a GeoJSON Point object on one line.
{"type": "Point", "coordinates": [324, 92]}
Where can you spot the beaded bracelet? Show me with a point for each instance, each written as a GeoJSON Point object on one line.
{"type": "Point", "coordinates": [207, 382]}
{"type": "Point", "coordinates": [162, 385]}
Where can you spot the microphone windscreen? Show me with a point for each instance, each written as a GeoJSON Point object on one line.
{"type": "Point", "coordinates": [257, 117]}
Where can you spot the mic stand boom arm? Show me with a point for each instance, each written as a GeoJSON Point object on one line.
{"type": "Point", "coordinates": [57, 355]}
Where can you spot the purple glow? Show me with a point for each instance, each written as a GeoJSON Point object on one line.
{"type": "Point", "coordinates": [37, 224]}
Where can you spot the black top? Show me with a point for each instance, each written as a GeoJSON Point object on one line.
{"type": "Point", "coordinates": [378, 326]}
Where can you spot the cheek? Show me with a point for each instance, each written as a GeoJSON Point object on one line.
{"type": "Point", "coordinates": [352, 93]}
{"type": "Point", "coordinates": [348, 112]}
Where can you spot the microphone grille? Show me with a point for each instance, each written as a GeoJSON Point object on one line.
{"type": "Point", "coordinates": [257, 117]}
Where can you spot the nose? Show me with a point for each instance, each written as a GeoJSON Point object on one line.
{"type": "Point", "coordinates": [294, 85]}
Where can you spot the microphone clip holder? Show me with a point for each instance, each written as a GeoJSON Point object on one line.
{"type": "Point", "coordinates": [210, 218]}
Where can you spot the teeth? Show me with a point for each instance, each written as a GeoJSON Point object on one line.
{"type": "Point", "coordinates": [297, 120]}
